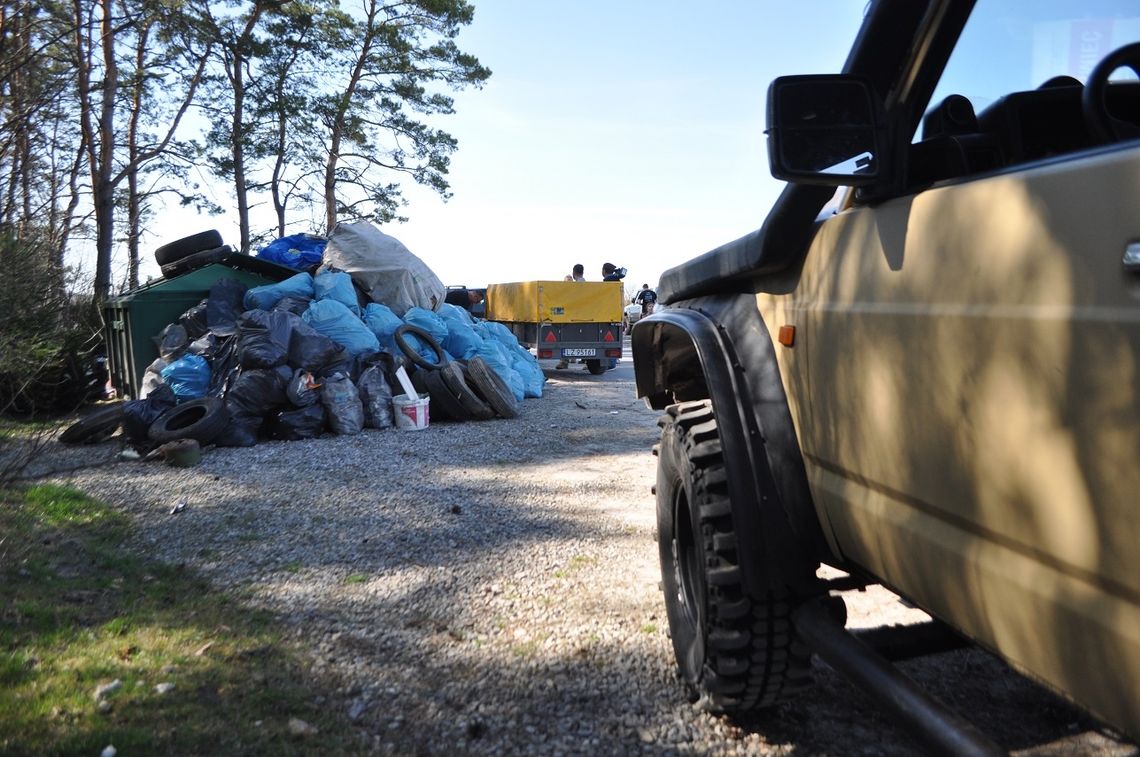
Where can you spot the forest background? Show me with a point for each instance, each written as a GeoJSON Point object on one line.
{"type": "Point", "coordinates": [318, 110]}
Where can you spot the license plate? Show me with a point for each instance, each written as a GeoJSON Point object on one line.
{"type": "Point", "coordinates": [573, 352]}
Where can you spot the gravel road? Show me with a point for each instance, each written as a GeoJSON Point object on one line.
{"type": "Point", "coordinates": [492, 588]}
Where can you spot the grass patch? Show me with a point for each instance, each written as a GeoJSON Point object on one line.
{"type": "Point", "coordinates": [355, 578]}
{"type": "Point", "coordinates": [649, 628]}
{"type": "Point", "coordinates": [78, 611]}
{"type": "Point", "coordinates": [577, 562]}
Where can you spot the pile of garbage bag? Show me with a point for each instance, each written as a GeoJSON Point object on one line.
{"type": "Point", "coordinates": [317, 353]}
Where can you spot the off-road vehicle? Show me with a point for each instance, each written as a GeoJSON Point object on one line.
{"type": "Point", "coordinates": [924, 367]}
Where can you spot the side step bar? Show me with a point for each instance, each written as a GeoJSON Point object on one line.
{"type": "Point", "coordinates": [927, 719]}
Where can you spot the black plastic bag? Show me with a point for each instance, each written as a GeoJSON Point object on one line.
{"type": "Point", "coordinates": [341, 362]}
{"type": "Point", "coordinates": [223, 366]}
{"type": "Point", "coordinates": [223, 306]}
{"type": "Point", "coordinates": [251, 397]}
{"type": "Point", "coordinates": [194, 320]}
{"type": "Point", "coordinates": [294, 305]}
{"type": "Point", "coordinates": [241, 431]}
{"type": "Point", "coordinates": [264, 339]}
{"type": "Point", "coordinates": [171, 342]}
{"type": "Point", "coordinates": [204, 346]}
{"type": "Point", "coordinates": [138, 415]}
{"type": "Point", "coordinates": [259, 390]}
{"type": "Point", "coordinates": [376, 397]}
{"type": "Point", "coordinates": [303, 389]}
{"type": "Point", "coordinates": [299, 423]}
{"type": "Point", "coordinates": [309, 349]}
{"type": "Point", "coordinates": [340, 398]}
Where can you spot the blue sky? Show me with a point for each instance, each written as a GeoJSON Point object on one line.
{"type": "Point", "coordinates": [628, 132]}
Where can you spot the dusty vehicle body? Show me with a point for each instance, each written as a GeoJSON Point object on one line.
{"type": "Point", "coordinates": [931, 378]}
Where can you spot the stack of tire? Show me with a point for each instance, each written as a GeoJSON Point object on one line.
{"type": "Point", "coordinates": [190, 253]}
{"type": "Point", "coordinates": [460, 390]}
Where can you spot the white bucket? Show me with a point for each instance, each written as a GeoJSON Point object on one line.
{"type": "Point", "coordinates": [411, 414]}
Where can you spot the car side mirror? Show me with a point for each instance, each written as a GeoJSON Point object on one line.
{"type": "Point", "coordinates": [825, 129]}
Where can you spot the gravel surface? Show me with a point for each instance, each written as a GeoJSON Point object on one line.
{"type": "Point", "coordinates": [492, 588]}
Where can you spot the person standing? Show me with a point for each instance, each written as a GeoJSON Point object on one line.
{"type": "Point", "coordinates": [611, 272]}
{"type": "Point", "coordinates": [647, 298]}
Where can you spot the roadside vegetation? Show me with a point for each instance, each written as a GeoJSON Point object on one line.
{"type": "Point", "coordinates": [196, 672]}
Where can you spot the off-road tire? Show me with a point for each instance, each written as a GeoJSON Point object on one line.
{"type": "Point", "coordinates": [180, 248]}
{"type": "Point", "coordinates": [95, 427]}
{"type": "Point", "coordinates": [417, 359]}
{"type": "Point", "coordinates": [199, 419]}
{"type": "Point", "coordinates": [596, 367]}
{"type": "Point", "coordinates": [735, 652]}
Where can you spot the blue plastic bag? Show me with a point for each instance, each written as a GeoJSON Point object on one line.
{"type": "Point", "coordinates": [461, 340]}
{"type": "Point", "coordinates": [337, 322]}
{"type": "Point", "coordinates": [188, 376]}
{"type": "Point", "coordinates": [336, 285]}
{"type": "Point", "coordinates": [500, 332]}
{"type": "Point", "coordinates": [300, 251]}
{"type": "Point", "coordinates": [265, 297]}
{"type": "Point", "coordinates": [430, 322]}
{"type": "Point", "coordinates": [383, 323]}
{"type": "Point", "coordinates": [528, 368]}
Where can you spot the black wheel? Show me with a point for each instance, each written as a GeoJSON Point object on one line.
{"type": "Point", "coordinates": [491, 387]}
{"type": "Point", "coordinates": [196, 260]}
{"type": "Point", "coordinates": [596, 367]}
{"type": "Point", "coordinates": [180, 248]}
{"type": "Point", "coordinates": [416, 358]}
{"type": "Point", "coordinates": [736, 652]}
{"type": "Point", "coordinates": [444, 403]}
{"type": "Point", "coordinates": [454, 377]}
{"type": "Point", "coordinates": [201, 419]}
{"type": "Point", "coordinates": [95, 427]}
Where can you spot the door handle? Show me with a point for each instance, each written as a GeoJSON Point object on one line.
{"type": "Point", "coordinates": [1132, 257]}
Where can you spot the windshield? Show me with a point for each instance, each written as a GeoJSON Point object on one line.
{"type": "Point", "coordinates": [1014, 45]}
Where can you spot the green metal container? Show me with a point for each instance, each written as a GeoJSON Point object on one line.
{"type": "Point", "coordinates": [131, 322]}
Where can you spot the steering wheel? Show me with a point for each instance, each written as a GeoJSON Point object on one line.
{"type": "Point", "coordinates": [1102, 125]}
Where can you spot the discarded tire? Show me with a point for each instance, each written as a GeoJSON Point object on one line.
{"type": "Point", "coordinates": [180, 248]}
{"type": "Point", "coordinates": [416, 358]}
{"type": "Point", "coordinates": [443, 399]}
{"type": "Point", "coordinates": [492, 388]}
{"type": "Point", "coordinates": [201, 419]}
{"type": "Point", "coordinates": [95, 427]}
{"type": "Point", "coordinates": [454, 378]}
{"type": "Point", "coordinates": [196, 260]}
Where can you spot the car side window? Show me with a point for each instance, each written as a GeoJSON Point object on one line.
{"type": "Point", "coordinates": [1011, 92]}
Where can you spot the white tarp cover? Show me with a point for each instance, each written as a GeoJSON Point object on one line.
{"type": "Point", "coordinates": [383, 267]}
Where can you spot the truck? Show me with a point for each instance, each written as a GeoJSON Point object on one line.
{"type": "Point", "coordinates": [922, 370]}
{"type": "Point", "coordinates": [563, 320]}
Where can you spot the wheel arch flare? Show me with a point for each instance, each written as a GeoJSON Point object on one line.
{"type": "Point", "coordinates": [717, 348]}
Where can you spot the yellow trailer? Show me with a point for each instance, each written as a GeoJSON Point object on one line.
{"type": "Point", "coordinates": [562, 319]}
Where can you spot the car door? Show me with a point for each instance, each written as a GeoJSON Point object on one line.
{"type": "Point", "coordinates": [974, 430]}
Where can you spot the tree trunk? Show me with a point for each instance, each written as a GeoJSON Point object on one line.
{"type": "Point", "coordinates": [101, 150]}
{"type": "Point", "coordinates": [336, 129]}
